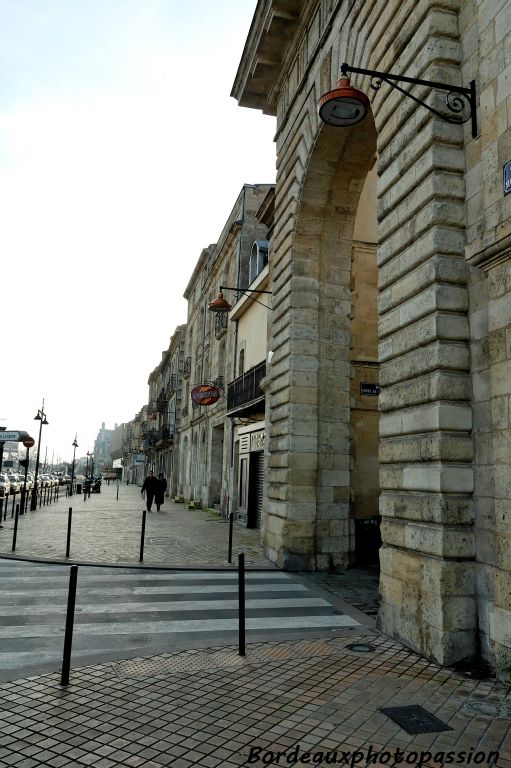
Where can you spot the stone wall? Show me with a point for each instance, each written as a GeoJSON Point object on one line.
{"type": "Point", "coordinates": [443, 224]}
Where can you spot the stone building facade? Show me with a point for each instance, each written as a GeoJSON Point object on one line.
{"type": "Point", "coordinates": [444, 310]}
{"type": "Point", "coordinates": [215, 352]}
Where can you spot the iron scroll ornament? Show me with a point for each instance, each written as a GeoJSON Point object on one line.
{"type": "Point", "coordinates": [457, 98]}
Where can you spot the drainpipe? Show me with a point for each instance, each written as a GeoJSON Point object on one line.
{"type": "Point", "coordinates": [235, 347]}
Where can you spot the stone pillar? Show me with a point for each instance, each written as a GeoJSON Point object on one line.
{"type": "Point", "coordinates": [427, 560]}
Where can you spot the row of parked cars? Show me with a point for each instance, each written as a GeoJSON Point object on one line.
{"type": "Point", "coordinates": [13, 482]}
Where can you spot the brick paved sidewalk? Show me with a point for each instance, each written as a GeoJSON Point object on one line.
{"type": "Point", "coordinates": [108, 530]}
{"type": "Point", "coordinates": [211, 708]}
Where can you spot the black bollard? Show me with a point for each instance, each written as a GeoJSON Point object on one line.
{"type": "Point", "coordinates": [15, 532]}
{"type": "Point", "coordinates": [12, 510]}
{"type": "Point", "coordinates": [69, 519]}
{"type": "Point", "coordinates": [117, 490]}
{"type": "Point", "coordinates": [1, 508]}
{"type": "Point", "coordinates": [241, 603]}
{"type": "Point", "coordinates": [229, 553]}
{"type": "Point", "coordinates": [142, 536]}
{"type": "Point", "coordinates": [70, 617]}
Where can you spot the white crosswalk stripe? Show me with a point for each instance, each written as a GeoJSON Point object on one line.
{"type": "Point", "coordinates": [126, 612]}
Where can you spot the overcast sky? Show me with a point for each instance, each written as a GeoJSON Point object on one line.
{"type": "Point", "coordinates": [109, 189]}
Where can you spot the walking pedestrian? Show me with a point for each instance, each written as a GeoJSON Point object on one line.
{"type": "Point", "coordinates": [150, 488]}
{"type": "Point", "coordinates": [160, 492]}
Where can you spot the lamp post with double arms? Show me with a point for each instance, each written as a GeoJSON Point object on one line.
{"type": "Point", "coordinates": [75, 446]}
{"type": "Point", "coordinates": [41, 418]}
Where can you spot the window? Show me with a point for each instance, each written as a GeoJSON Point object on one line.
{"type": "Point", "coordinates": [258, 259]}
{"type": "Point", "coordinates": [241, 362]}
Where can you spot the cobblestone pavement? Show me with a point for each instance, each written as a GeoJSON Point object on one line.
{"type": "Point", "coordinates": [108, 530]}
{"type": "Point", "coordinates": [316, 701]}
{"type": "Point", "coordinates": [358, 586]}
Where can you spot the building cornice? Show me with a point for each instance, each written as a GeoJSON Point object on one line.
{"type": "Point", "coordinates": [273, 28]}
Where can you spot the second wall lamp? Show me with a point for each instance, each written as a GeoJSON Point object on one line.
{"type": "Point", "coordinates": [220, 304]}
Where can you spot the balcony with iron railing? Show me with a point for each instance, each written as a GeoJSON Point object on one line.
{"type": "Point", "coordinates": [244, 393]}
{"type": "Point", "coordinates": [164, 433]}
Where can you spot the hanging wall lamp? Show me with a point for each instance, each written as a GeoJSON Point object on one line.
{"type": "Point", "coordinates": [222, 305]}
{"type": "Point", "coordinates": [346, 105]}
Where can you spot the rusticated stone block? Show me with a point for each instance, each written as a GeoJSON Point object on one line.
{"type": "Point", "coordinates": [429, 508]}
{"type": "Point", "coordinates": [438, 385]}
{"type": "Point", "coordinates": [427, 418]}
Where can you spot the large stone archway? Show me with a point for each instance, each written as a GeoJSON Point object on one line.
{"type": "Point", "coordinates": [310, 338]}
{"type": "Point", "coordinates": [292, 56]}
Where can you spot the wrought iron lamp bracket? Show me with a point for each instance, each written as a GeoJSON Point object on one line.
{"type": "Point", "coordinates": [457, 97]}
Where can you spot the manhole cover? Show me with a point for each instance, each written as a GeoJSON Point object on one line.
{"type": "Point", "coordinates": [361, 647]}
{"type": "Point", "coordinates": [415, 719]}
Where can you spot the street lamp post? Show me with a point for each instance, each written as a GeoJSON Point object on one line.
{"type": "Point", "coordinates": [87, 465]}
{"type": "Point", "coordinates": [75, 446]}
{"type": "Point", "coordinates": [41, 417]}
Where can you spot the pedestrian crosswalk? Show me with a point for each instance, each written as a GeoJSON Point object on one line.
{"type": "Point", "coordinates": [127, 612]}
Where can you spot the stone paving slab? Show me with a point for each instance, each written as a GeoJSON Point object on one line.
{"type": "Point", "coordinates": [315, 702]}
{"type": "Point", "coordinates": [107, 529]}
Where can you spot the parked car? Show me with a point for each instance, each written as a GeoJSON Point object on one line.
{"type": "Point", "coordinates": [45, 481]}
{"type": "Point", "coordinates": [15, 483]}
{"type": "Point", "coordinates": [5, 486]}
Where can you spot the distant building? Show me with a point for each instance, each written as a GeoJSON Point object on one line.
{"type": "Point", "coordinates": [102, 443]}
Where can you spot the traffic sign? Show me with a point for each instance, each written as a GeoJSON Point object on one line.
{"type": "Point", "coordinates": [13, 437]}
{"type": "Point", "coordinates": [10, 437]}
{"type": "Point", "coordinates": [29, 442]}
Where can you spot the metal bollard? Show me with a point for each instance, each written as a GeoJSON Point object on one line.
{"type": "Point", "coordinates": [241, 603]}
{"type": "Point", "coordinates": [70, 617]}
{"type": "Point", "coordinates": [142, 536]}
{"type": "Point", "coordinates": [15, 532]}
{"type": "Point", "coordinates": [12, 510]}
{"type": "Point", "coordinates": [117, 490]}
{"type": "Point", "coordinates": [69, 520]}
{"type": "Point", "coordinates": [229, 553]}
{"type": "Point", "coordinates": [1, 510]}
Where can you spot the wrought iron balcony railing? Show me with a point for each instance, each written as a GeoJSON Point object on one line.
{"type": "Point", "coordinates": [245, 389]}
{"type": "Point", "coordinates": [164, 433]}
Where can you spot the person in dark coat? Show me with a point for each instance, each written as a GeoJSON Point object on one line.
{"type": "Point", "coordinates": [160, 492]}
{"type": "Point", "coordinates": [150, 488]}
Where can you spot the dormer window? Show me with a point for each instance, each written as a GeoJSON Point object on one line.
{"type": "Point", "coordinates": [258, 259]}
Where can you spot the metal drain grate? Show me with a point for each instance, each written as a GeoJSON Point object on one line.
{"type": "Point", "coordinates": [415, 719]}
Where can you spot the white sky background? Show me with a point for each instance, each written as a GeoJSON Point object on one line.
{"type": "Point", "coordinates": [121, 156]}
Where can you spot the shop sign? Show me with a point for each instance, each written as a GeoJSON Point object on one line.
{"type": "Point", "coordinates": [257, 441]}
{"type": "Point", "coordinates": [507, 178]}
{"type": "Point", "coordinates": [139, 458]}
{"type": "Point", "coordinates": [205, 394]}
{"type": "Point", "coordinates": [366, 388]}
